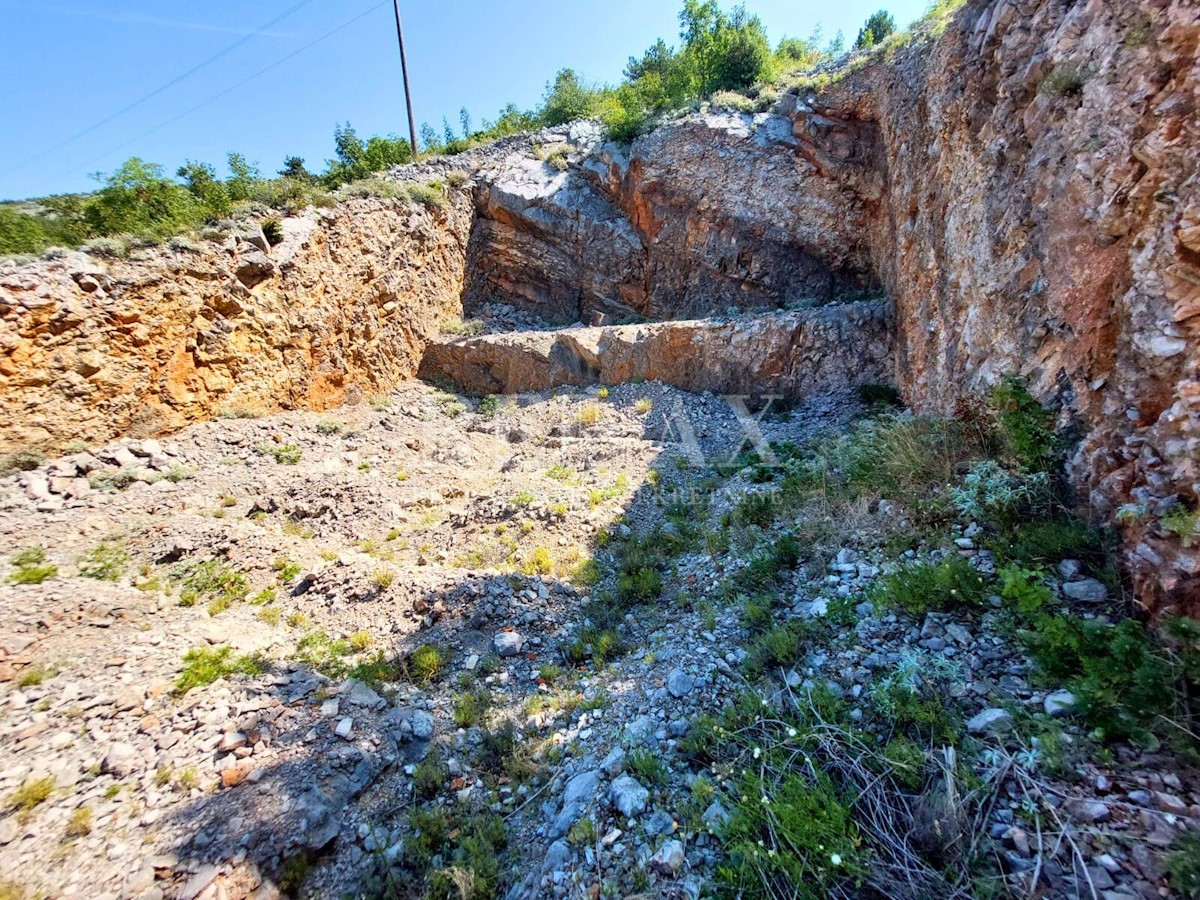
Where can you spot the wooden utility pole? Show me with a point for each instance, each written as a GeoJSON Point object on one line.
{"type": "Point", "coordinates": [412, 125]}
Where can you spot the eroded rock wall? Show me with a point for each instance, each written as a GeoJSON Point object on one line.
{"type": "Point", "coordinates": [790, 354]}
{"type": "Point", "coordinates": [707, 214]}
{"type": "Point", "coordinates": [1042, 218]}
{"type": "Point", "coordinates": [92, 349]}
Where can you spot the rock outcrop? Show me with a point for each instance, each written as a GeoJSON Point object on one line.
{"type": "Point", "coordinates": [790, 354]}
{"type": "Point", "coordinates": [92, 349]}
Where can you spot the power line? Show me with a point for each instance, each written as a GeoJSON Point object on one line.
{"type": "Point", "coordinates": [242, 83]}
{"type": "Point", "coordinates": [154, 93]}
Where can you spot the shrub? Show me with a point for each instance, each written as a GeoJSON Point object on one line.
{"type": "Point", "coordinates": [80, 822]}
{"type": "Point", "coordinates": [424, 664]}
{"type": "Point", "coordinates": [1126, 684]}
{"type": "Point", "coordinates": [470, 707]}
{"type": "Point", "coordinates": [138, 199]}
{"type": "Point", "coordinates": [646, 765]}
{"type": "Point", "coordinates": [273, 231]}
{"type": "Point", "coordinates": [1028, 429]}
{"type": "Point", "coordinates": [639, 586]}
{"type": "Point", "coordinates": [757, 509]}
{"type": "Point", "coordinates": [31, 567]}
{"type": "Point", "coordinates": [104, 562]}
{"type": "Point", "coordinates": [431, 195]}
{"type": "Point", "coordinates": [20, 233]}
{"type": "Point", "coordinates": [110, 247]}
{"type": "Point", "coordinates": [791, 836]}
{"type": "Point", "coordinates": [21, 461]}
{"type": "Point", "coordinates": [879, 395]}
{"type": "Point", "coordinates": [465, 328]}
{"type": "Point", "coordinates": [490, 405]}
{"type": "Point", "coordinates": [776, 648]}
{"type": "Point", "coordinates": [988, 493]}
{"type": "Point", "coordinates": [204, 666]}
{"type": "Point", "coordinates": [286, 454]}
{"type": "Point", "coordinates": [1064, 81]}
{"type": "Point", "coordinates": [923, 586]}
{"type": "Point", "coordinates": [875, 30]}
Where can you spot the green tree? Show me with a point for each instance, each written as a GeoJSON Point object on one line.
{"type": "Point", "coordinates": [20, 232]}
{"type": "Point", "coordinates": [293, 167]}
{"type": "Point", "coordinates": [243, 176]}
{"type": "Point", "coordinates": [464, 119]}
{"type": "Point", "coordinates": [62, 219]}
{"type": "Point", "coordinates": [722, 52]}
{"type": "Point", "coordinates": [138, 199]}
{"type": "Point", "coordinates": [876, 30]}
{"type": "Point", "coordinates": [568, 99]}
{"type": "Point", "coordinates": [201, 182]}
{"type": "Point", "coordinates": [358, 159]}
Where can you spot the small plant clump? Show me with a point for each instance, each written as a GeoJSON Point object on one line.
{"type": "Point", "coordinates": [31, 567]}
{"type": "Point", "coordinates": [104, 562]}
{"type": "Point", "coordinates": [952, 583]}
{"type": "Point", "coordinates": [202, 666]}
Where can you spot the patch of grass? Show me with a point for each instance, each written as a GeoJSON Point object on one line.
{"type": "Point", "coordinates": [776, 648]}
{"type": "Point", "coordinates": [425, 664]}
{"type": "Point", "coordinates": [643, 406]}
{"type": "Point", "coordinates": [285, 570]}
{"type": "Point", "coordinates": [264, 597]}
{"type": "Point", "coordinates": [220, 582]}
{"type": "Point", "coordinates": [905, 761]}
{"type": "Point", "coordinates": [293, 528]}
{"type": "Point", "coordinates": [430, 775]}
{"type": "Point", "coordinates": [790, 835]}
{"type": "Point", "coordinates": [583, 833]}
{"type": "Point", "coordinates": [756, 509]}
{"type": "Point", "coordinates": [589, 415]}
{"type": "Point", "coordinates": [470, 707]}
{"type": "Point", "coordinates": [923, 586]}
{"type": "Point", "coordinates": [269, 615]}
{"type": "Point", "coordinates": [323, 653]}
{"type": "Point", "coordinates": [297, 619]}
{"type": "Point", "coordinates": [1183, 523]}
{"type": "Point", "coordinates": [294, 873]}
{"type": "Point", "coordinates": [1183, 866]}
{"type": "Point", "coordinates": [104, 562]}
{"type": "Point", "coordinates": [80, 822]}
{"type": "Point", "coordinates": [538, 561]}
{"type": "Point", "coordinates": [328, 427]}
{"type": "Point", "coordinates": [1038, 542]}
{"type": "Point", "coordinates": [203, 666]}
{"type": "Point", "coordinates": [31, 794]}
{"type": "Point", "coordinates": [375, 670]}
{"type": "Point", "coordinates": [522, 499]}
{"type": "Point", "coordinates": [594, 643]}
{"type": "Point", "coordinates": [35, 675]}
{"type": "Point", "coordinates": [646, 765]}
{"type": "Point", "coordinates": [31, 567]}
{"type": "Point", "coordinates": [559, 473]}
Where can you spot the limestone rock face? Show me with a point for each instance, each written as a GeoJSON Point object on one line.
{"type": "Point", "coordinates": [91, 350]}
{"type": "Point", "coordinates": [698, 217]}
{"type": "Point", "coordinates": [1040, 204]}
{"type": "Point", "coordinates": [790, 354]}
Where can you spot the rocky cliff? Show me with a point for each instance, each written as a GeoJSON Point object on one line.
{"type": "Point", "coordinates": [1024, 185]}
{"type": "Point", "coordinates": [91, 349]}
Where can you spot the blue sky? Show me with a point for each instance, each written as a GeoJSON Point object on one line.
{"type": "Point", "coordinates": [69, 64]}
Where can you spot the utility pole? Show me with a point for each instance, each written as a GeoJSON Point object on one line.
{"type": "Point", "coordinates": [412, 125]}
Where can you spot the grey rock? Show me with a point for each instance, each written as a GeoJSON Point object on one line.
{"type": "Point", "coordinates": [614, 763]}
{"type": "Point", "coordinates": [1089, 811]}
{"type": "Point", "coordinates": [660, 823]}
{"type": "Point", "coordinates": [1059, 703]}
{"type": "Point", "coordinates": [362, 695]}
{"type": "Point", "coordinates": [422, 725]}
{"type": "Point", "coordinates": [679, 683]}
{"type": "Point", "coordinates": [556, 857]}
{"type": "Point", "coordinates": [990, 721]}
{"type": "Point", "coordinates": [508, 643]}
{"type": "Point", "coordinates": [669, 859]}
{"type": "Point", "coordinates": [581, 787]}
{"type": "Point", "coordinates": [715, 816]}
{"type": "Point", "coordinates": [205, 876]}
{"type": "Point", "coordinates": [1089, 590]}
{"type": "Point", "coordinates": [628, 796]}
{"type": "Point", "coordinates": [122, 760]}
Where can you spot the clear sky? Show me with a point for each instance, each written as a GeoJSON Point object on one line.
{"type": "Point", "coordinates": [70, 64]}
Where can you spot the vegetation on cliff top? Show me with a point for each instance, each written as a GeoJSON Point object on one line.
{"type": "Point", "coordinates": [722, 56]}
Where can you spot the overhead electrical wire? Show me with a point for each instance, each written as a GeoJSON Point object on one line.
{"type": "Point", "coordinates": [242, 83]}
{"type": "Point", "coordinates": [154, 93]}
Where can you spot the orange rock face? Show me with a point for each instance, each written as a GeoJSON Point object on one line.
{"type": "Point", "coordinates": [91, 349]}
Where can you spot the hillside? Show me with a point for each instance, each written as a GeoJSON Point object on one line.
{"type": "Point", "coordinates": [796, 497]}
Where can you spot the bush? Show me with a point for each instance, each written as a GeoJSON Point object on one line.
{"type": "Point", "coordinates": [273, 231]}
{"type": "Point", "coordinates": [1028, 429]}
{"type": "Point", "coordinates": [31, 568]}
{"type": "Point", "coordinates": [1183, 865]}
{"type": "Point", "coordinates": [203, 666]}
{"type": "Point", "coordinates": [924, 586]}
{"type": "Point", "coordinates": [791, 836]}
{"type": "Point", "coordinates": [1127, 685]}
{"type": "Point", "coordinates": [138, 199]}
{"type": "Point", "coordinates": [989, 494]}
{"type": "Point", "coordinates": [20, 233]}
